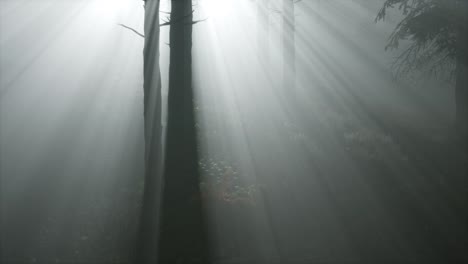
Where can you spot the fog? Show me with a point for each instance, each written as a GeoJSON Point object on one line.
{"type": "Point", "coordinates": [349, 162]}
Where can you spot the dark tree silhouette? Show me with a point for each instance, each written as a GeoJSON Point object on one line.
{"type": "Point", "coordinates": [438, 31]}
{"type": "Point", "coordinates": [182, 236]}
{"type": "Point", "coordinates": [438, 34]}
{"type": "Point", "coordinates": [172, 226]}
{"type": "Point", "coordinates": [149, 217]}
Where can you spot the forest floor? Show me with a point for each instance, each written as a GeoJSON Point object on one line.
{"type": "Point", "coordinates": [432, 155]}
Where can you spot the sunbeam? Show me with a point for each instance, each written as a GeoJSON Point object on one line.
{"type": "Point", "coordinates": [234, 131]}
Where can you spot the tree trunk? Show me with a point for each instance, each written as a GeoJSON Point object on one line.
{"type": "Point", "coordinates": [461, 93]}
{"type": "Point", "coordinates": [462, 99]}
{"type": "Point", "coordinates": [182, 237]}
{"type": "Point", "coordinates": [148, 229]}
{"type": "Point", "coordinates": [262, 32]}
{"type": "Point", "coordinates": [289, 52]}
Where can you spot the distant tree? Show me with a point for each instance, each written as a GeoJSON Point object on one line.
{"type": "Point", "coordinates": [263, 30]}
{"type": "Point", "coordinates": [288, 33]}
{"type": "Point", "coordinates": [437, 32]}
{"type": "Point", "coordinates": [289, 46]}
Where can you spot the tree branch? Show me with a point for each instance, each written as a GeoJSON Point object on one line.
{"type": "Point", "coordinates": [134, 30]}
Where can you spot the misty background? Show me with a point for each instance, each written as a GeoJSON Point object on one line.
{"type": "Point", "coordinates": [364, 166]}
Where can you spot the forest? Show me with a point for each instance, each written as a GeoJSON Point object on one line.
{"type": "Point", "coordinates": [234, 131]}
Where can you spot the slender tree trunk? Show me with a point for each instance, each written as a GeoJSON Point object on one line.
{"type": "Point", "coordinates": [289, 51]}
{"type": "Point", "coordinates": [183, 236]}
{"type": "Point", "coordinates": [262, 31]}
{"type": "Point", "coordinates": [148, 229]}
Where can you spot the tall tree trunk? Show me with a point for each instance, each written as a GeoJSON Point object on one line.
{"type": "Point", "coordinates": [289, 51]}
{"type": "Point", "coordinates": [462, 100]}
{"type": "Point", "coordinates": [462, 73]}
{"type": "Point", "coordinates": [262, 31]}
{"type": "Point", "coordinates": [183, 236]}
{"type": "Point", "coordinates": [148, 229]}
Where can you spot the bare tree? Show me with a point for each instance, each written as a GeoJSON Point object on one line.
{"type": "Point", "coordinates": [183, 236]}
{"type": "Point", "coordinates": [149, 217]}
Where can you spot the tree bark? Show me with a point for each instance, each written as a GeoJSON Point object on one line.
{"type": "Point", "coordinates": [148, 229]}
{"type": "Point", "coordinates": [183, 236]}
{"type": "Point", "coordinates": [461, 92]}
{"type": "Point", "coordinates": [461, 102]}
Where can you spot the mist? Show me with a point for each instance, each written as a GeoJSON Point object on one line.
{"type": "Point", "coordinates": [235, 131]}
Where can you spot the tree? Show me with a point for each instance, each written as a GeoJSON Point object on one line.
{"type": "Point", "coordinates": [149, 217]}
{"type": "Point", "coordinates": [437, 31]}
{"type": "Point", "coordinates": [289, 47]}
{"type": "Point", "coordinates": [172, 227]}
{"type": "Point", "coordinates": [288, 33]}
{"type": "Point", "coordinates": [262, 31]}
{"type": "Point", "coordinates": [182, 235]}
